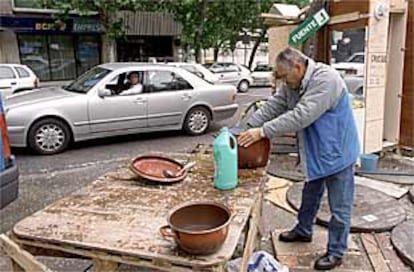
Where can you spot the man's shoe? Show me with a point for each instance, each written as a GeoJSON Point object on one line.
{"type": "Point", "coordinates": [327, 262]}
{"type": "Point", "coordinates": [292, 236]}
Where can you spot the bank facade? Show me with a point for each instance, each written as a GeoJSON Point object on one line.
{"type": "Point", "coordinates": [62, 50]}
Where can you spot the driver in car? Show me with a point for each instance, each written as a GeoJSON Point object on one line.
{"type": "Point", "coordinates": [135, 85]}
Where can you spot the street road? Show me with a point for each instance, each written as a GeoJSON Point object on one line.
{"type": "Point", "coordinates": [44, 179]}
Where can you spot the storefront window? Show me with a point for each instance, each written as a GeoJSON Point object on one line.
{"type": "Point", "coordinates": [87, 53]}
{"type": "Point", "coordinates": [32, 4]}
{"type": "Point", "coordinates": [62, 57]}
{"type": "Point", "coordinates": [34, 53]}
{"type": "Point", "coordinates": [59, 57]}
{"type": "Point", "coordinates": [27, 4]}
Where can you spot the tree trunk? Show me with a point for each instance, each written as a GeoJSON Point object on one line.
{"type": "Point", "coordinates": [108, 46]}
{"type": "Point", "coordinates": [216, 52]}
{"type": "Point", "coordinates": [199, 32]}
{"type": "Point", "coordinates": [108, 52]}
{"type": "Point", "coordinates": [185, 52]}
{"type": "Point", "coordinates": [256, 45]}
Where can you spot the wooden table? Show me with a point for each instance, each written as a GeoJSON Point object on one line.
{"type": "Point", "coordinates": [116, 219]}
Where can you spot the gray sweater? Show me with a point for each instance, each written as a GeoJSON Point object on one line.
{"type": "Point", "coordinates": [292, 110]}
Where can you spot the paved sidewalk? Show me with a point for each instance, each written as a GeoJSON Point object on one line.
{"type": "Point", "coordinates": [367, 251]}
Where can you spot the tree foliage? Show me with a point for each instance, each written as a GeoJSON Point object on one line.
{"type": "Point", "coordinates": [257, 25]}
{"type": "Point", "coordinates": [221, 21]}
{"type": "Point", "coordinates": [206, 23]}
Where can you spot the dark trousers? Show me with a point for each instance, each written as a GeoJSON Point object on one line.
{"type": "Point", "coordinates": [340, 196]}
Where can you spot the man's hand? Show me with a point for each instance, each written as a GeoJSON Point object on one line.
{"type": "Point", "coordinates": [250, 136]}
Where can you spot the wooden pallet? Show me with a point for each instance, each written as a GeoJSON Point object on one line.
{"type": "Point", "coordinates": [367, 252]}
{"type": "Point", "coordinates": [21, 259]}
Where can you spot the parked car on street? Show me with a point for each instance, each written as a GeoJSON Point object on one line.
{"type": "Point", "coordinates": [18, 77]}
{"type": "Point", "coordinates": [197, 69]}
{"type": "Point", "coordinates": [262, 75]}
{"type": "Point", "coordinates": [354, 65]}
{"type": "Point", "coordinates": [9, 174]}
{"type": "Point", "coordinates": [207, 64]}
{"type": "Point", "coordinates": [5, 90]}
{"type": "Point", "coordinates": [355, 86]}
{"type": "Point", "coordinates": [96, 105]}
{"type": "Point", "coordinates": [234, 74]}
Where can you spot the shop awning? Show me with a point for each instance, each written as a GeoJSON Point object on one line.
{"type": "Point", "coordinates": [150, 24]}
{"type": "Point", "coordinates": [284, 14]}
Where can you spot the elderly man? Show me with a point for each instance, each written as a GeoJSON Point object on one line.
{"type": "Point", "coordinates": [314, 102]}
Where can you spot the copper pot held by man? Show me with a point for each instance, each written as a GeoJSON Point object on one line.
{"type": "Point", "coordinates": [254, 156]}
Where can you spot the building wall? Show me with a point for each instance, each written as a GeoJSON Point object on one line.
{"type": "Point", "coordinates": [241, 54]}
{"type": "Point", "coordinates": [6, 7]}
{"type": "Point", "coordinates": [8, 47]}
{"type": "Point", "coordinates": [407, 115]}
{"type": "Point", "coordinates": [278, 40]}
{"type": "Point", "coordinates": [394, 84]}
{"type": "Point", "coordinates": [8, 41]}
{"type": "Point", "coordinates": [375, 79]}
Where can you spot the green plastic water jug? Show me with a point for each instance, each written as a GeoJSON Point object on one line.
{"type": "Point", "coordinates": [225, 158]}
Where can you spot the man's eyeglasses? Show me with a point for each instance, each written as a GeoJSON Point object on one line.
{"type": "Point", "coordinates": [277, 76]}
{"type": "Point", "coordinates": [278, 79]}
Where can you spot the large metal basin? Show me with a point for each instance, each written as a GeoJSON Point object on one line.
{"type": "Point", "coordinates": [198, 228]}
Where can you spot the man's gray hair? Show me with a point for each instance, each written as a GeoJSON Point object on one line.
{"type": "Point", "coordinates": [289, 56]}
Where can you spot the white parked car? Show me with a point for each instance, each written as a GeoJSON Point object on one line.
{"type": "Point", "coordinates": [16, 78]}
{"type": "Point", "coordinates": [197, 69]}
{"type": "Point", "coordinates": [234, 74]}
{"type": "Point", "coordinates": [262, 75]}
{"type": "Point", "coordinates": [354, 65]}
{"type": "Point", "coordinates": [355, 86]}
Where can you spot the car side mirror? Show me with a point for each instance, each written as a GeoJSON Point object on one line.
{"type": "Point", "coordinates": [201, 75]}
{"type": "Point", "coordinates": [104, 92]}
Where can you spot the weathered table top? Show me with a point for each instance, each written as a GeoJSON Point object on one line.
{"type": "Point", "coordinates": [121, 215]}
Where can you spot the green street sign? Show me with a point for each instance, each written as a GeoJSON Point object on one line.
{"type": "Point", "coordinates": [308, 27]}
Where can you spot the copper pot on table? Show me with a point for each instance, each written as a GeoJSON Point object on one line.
{"type": "Point", "coordinates": [199, 228]}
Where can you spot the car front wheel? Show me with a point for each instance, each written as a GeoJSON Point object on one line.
{"type": "Point", "coordinates": [197, 121]}
{"type": "Point", "coordinates": [49, 136]}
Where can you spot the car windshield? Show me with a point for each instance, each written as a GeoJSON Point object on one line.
{"type": "Point", "coordinates": [86, 81]}
{"type": "Point", "coordinates": [356, 58]}
{"type": "Point", "coordinates": [190, 69]}
{"type": "Point", "coordinates": [263, 68]}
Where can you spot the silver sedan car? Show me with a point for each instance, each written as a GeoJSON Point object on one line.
{"type": "Point", "coordinates": [103, 103]}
